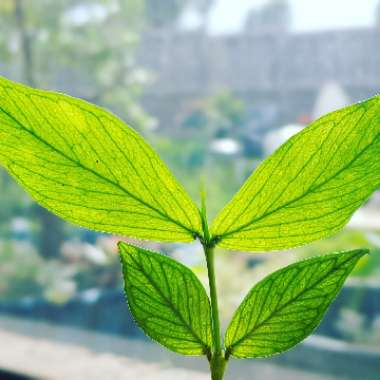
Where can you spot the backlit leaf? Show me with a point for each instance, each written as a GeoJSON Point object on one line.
{"type": "Point", "coordinates": [285, 307]}
{"type": "Point", "coordinates": [167, 301]}
{"type": "Point", "coordinates": [310, 187]}
{"type": "Point", "coordinates": [88, 167]}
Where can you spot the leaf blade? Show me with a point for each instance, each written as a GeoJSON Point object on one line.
{"type": "Point", "coordinates": [88, 167]}
{"type": "Point", "coordinates": [167, 301]}
{"type": "Point", "coordinates": [286, 306]}
{"type": "Point", "coordinates": [310, 187]}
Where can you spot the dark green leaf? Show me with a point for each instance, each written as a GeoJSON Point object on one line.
{"type": "Point", "coordinates": [309, 188]}
{"type": "Point", "coordinates": [285, 307]}
{"type": "Point", "coordinates": [88, 167]}
{"type": "Point", "coordinates": [167, 301]}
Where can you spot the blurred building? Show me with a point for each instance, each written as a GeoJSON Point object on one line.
{"type": "Point", "coordinates": [331, 97]}
{"type": "Point", "coordinates": [279, 75]}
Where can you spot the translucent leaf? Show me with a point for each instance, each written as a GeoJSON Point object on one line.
{"type": "Point", "coordinates": [88, 167]}
{"type": "Point", "coordinates": [167, 301]}
{"type": "Point", "coordinates": [285, 307]}
{"type": "Point", "coordinates": [310, 187]}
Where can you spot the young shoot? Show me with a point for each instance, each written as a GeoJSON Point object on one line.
{"type": "Point", "coordinates": [85, 165]}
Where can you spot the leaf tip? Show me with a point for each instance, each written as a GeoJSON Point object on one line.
{"type": "Point", "coordinates": [363, 252]}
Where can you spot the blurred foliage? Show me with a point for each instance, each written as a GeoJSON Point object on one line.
{"type": "Point", "coordinates": [368, 267]}
{"type": "Point", "coordinates": [20, 265]}
{"type": "Point", "coordinates": [84, 46]}
{"type": "Point", "coordinates": [24, 273]}
{"type": "Point", "coordinates": [377, 15]}
{"type": "Point", "coordinates": [191, 157]}
{"type": "Point", "coordinates": [166, 14]}
{"type": "Point", "coordinates": [216, 116]}
{"type": "Point", "coordinates": [13, 202]}
{"type": "Point", "coordinates": [221, 116]}
{"type": "Point", "coordinates": [273, 15]}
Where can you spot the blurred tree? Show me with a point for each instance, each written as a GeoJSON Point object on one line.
{"type": "Point", "coordinates": [271, 17]}
{"type": "Point", "coordinates": [83, 47]}
{"type": "Point", "coordinates": [166, 14]}
{"type": "Point", "coordinates": [217, 116]}
{"type": "Point", "coordinates": [13, 201]}
{"type": "Point", "coordinates": [203, 9]}
{"type": "Point", "coordinates": [377, 14]}
{"type": "Point", "coordinates": [203, 6]}
{"type": "Point", "coordinates": [51, 231]}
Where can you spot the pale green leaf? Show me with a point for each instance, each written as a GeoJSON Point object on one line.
{"type": "Point", "coordinates": [88, 167]}
{"type": "Point", "coordinates": [310, 187]}
{"type": "Point", "coordinates": [285, 307]}
{"type": "Point", "coordinates": [167, 301]}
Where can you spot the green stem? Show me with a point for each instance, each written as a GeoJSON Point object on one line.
{"type": "Point", "coordinates": [217, 358]}
{"type": "Point", "coordinates": [209, 252]}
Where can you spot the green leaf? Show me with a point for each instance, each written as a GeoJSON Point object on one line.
{"type": "Point", "coordinates": [285, 307]}
{"type": "Point", "coordinates": [167, 301]}
{"type": "Point", "coordinates": [310, 187]}
{"type": "Point", "coordinates": [85, 165]}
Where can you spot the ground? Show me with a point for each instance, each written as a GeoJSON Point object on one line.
{"type": "Point", "coordinates": [55, 353]}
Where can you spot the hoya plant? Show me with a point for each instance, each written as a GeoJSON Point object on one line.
{"type": "Point", "coordinates": [85, 165]}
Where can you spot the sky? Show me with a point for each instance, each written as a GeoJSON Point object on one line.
{"type": "Point", "coordinates": [307, 15]}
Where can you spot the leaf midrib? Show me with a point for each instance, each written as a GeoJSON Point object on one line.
{"type": "Point", "coordinates": [311, 190]}
{"type": "Point", "coordinates": [176, 312]}
{"type": "Point", "coordinates": [79, 164]}
{"type": "Point", "coordinates": [272, 315]}
{"type": "Point", "coordinates": [291, 143]}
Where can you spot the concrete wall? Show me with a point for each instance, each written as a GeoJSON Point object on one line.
{"type": "Point", "coordinates": [282, 73]}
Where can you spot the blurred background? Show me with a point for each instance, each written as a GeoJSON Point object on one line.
{"type": "Point", "coordinates": [215, 86]}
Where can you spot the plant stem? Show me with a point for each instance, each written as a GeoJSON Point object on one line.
{"type": "Point", "coordinates": [209, 252]}
{"type": "Point", "coordinates": [217, 361]}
